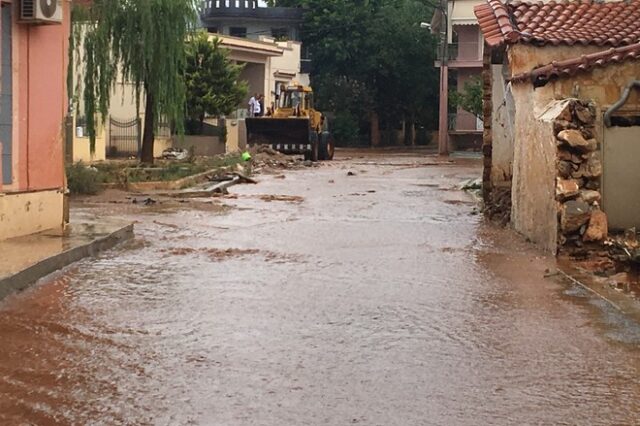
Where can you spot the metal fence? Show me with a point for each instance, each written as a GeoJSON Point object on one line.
{"type": "Point", "coordinates": [125, 138]}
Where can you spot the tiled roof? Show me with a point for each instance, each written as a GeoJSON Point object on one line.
{"type": "Point", "coordinates": [557, 69]}
{"type": "Point", "coordinates": [584, 22]}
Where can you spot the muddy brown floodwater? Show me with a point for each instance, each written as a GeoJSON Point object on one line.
{"type": "Point", "coordinates": [319, 299]}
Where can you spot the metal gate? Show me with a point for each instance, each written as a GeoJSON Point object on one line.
{"type": "Point", "coordinates": [621, 176]}
{"type": "Point", "coordinates": [124, 138]}
{"type": "Point", "coordinates": [620, 153]}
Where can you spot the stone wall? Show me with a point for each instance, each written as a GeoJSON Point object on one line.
{"type": "Point", "coordinates": [579, 169]}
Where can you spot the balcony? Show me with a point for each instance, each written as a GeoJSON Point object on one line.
{"type": "Point", "coordinates": [248, 9]}
{"type": "Point", "coordinates": [462, 55]}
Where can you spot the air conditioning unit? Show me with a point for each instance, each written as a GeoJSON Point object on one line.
{"type": "Point", "coordinates": [41, 11]}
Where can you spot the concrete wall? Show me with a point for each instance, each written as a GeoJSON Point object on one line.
{"type": "Point", "coordinates": [201, 145]}
{"type": "Point", "coordinates": [534, 210]}
{"type": "Point", "coordinates": [29, 212]}
{"type": "Point", "coordinates": [82, 145]}
{"type": "Point", "coordinates": [255, 74]}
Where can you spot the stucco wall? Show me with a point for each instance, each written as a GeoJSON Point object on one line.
{"type": "Point", "coordinates": [30, 212]}
{"type": "Point", "coordinates": [503, 115]}
{"type": "Point", "coordinates": [39, 56]}
{"type": "Point", "coordinates": [534, 211]}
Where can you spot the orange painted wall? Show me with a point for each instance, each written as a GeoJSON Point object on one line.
{"type": "Point", "coordinates": [40, 102]}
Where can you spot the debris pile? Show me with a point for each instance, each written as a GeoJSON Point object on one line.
{"type": "Point", "coordinates": [499, 207]}
{"type": "Point", "coordinates": [175, 154]}
{"type": "Point", "coordinates": [624, 247]}
{"type": "Point", "coordinates": [267, 160]}
{"type": "Point", "coordinates": [579, 169]}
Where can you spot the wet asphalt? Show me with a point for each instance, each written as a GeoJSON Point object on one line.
{"type": "Point", "coordinates": [320, 298]}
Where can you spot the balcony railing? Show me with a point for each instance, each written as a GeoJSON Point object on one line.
{"type": "Point", "coordinates": [464, 51]}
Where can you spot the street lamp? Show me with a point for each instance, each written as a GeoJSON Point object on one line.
{"type": "Point", "coordinates": [443, 115]}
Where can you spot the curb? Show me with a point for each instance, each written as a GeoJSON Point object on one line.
{"type": "Point", "coordinates": [28, 276]}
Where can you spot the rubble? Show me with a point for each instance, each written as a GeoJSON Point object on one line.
{"type": "Point", "coordinates": [579, 169]}
{"type": "Point", "coordinates": [576, 140]}
{"type": "Point", "coordinates": [598, 229]}
{"type": "Point", "coordinates": [267, 160]}
{"type": "Point", "coordinates": [566, 189]}
{"type": "Point", "coordinates": [175, 154]}
{"type": "Point", "coordinates": [574, 215]}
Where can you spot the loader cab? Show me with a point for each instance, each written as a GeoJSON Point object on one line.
{"type": "Point", "coordinates": [295, 97]}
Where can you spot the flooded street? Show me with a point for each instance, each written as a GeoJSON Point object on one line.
{"type": "Point", "coordinates": [379, 298]}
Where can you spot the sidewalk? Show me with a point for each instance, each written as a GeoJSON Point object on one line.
{"type": "Point", "coordinates": [25, 260]}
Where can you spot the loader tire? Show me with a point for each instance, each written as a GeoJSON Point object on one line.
{"type": "Point", "coordinates": [314, 154]}
{"type": "Point", "coordinates": [327, 148]}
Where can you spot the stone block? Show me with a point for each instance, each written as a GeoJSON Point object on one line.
{"type": "Point", "coordinates": [590, 196]}
{"type": "Point", "coordinates": [598, 228]}
{"type": "Point", "coordinates": [583, 114]}
{"type": "Point", "coordinates": [590, 168]}
{"type": "Point", "coordinates": [566, 189]}
{"type": "Point", "coordinates": [565, 169]}
{"type": "Point", "coordinates": [575, 139]}
{"type": "Point", "coordinates": [560, 125]}
{"type": "Point", "coordinates": [574, 214]}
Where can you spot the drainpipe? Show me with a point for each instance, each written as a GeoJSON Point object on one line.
{"type": "Point", "coordinates": [623, 99]}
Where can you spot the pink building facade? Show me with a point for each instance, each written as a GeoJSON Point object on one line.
{"type": "Point", "coordinates": [464, 64]}
{"type": "Point", "coordinates": [33, 106]}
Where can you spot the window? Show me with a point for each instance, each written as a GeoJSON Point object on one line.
{"type": "Point", "coordinates": [212, 30]}
{"type": "Point", "coordinates": [280, 34]}
{"type": "Point", "coordinates": [238, 32]}
{"type": "Point", "coordinates": [6, 95]}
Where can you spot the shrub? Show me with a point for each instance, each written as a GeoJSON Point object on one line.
{"type": "Point", "coordinates": [82, 179]}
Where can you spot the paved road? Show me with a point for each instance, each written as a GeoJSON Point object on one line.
{"type": "Point", "coordinates": [373, 299]}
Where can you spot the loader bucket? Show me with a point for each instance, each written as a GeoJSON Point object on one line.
{"type": "Point", "coordinates": [277, 131]}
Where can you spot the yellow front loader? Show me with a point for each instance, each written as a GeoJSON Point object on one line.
{"type": "Point", "coordinates": [294, 127]}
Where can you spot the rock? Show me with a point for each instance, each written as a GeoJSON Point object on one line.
{"type": "Point", "coordinates": [590, 196]}
{"type": "Point", "coordinates": [590, 168]}
{"type": "Point", "coordinates": [565, 155]}
{"type": "Point", "coordinates": [619, 280]}
{"type": "Point", "coordinates": [573, 215]}
{"type": "Point", "coordinates": [575, 140]}
{"type": "Point", "coordinates": [560, 125]}
{"type": "Point", "coordinates": [583, 114]}
{"type": "Point", "coordinates": [565, 115]}
{"type": "Point", "coordinates": [598, 228]}
{"type": "Point", "coordinates": [565, 169]}
{"type": "Point", "coordinates": [351, 174]}
{"type": "Point", "coordinates": [566, 189]}
{"type": "Point", "coordinates": [588, 132]}
{"type": "Point", "coordinates": [592, 184]}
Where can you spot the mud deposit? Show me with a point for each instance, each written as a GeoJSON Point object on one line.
{"type": "Point", "coordinates": [393, 307]}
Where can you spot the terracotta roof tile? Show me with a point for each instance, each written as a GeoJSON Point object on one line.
{"type": "Point", "coordinates": [559, 69]}
{"type": "Point", "coordinates": [568, 22]}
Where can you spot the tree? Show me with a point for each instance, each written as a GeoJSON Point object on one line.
{"type": "Point", "coordinates": [377, 47]}
{"type": "Point", "coordinates": [140, 42]}
{"type": "Point", "coordinates": [470, 99]}
{"type": "Point", "coordinates": [211, 80]}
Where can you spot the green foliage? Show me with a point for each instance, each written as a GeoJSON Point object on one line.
{"type": "Point", "coordinates": [345, 129]}
{"type": "Point", "coordinates": [83, 180]}
{"type": "Point", "coordinates": [372, 56]}
{"type": "Point", "coordinates": [470, 99]}
{"type": "Point", "coordinates": [133, 41]}
{"type": "Point", "coordinates": [211, 79]}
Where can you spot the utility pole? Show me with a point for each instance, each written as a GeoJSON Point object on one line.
{"type": "Point", "coordinates": [443, 127]}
